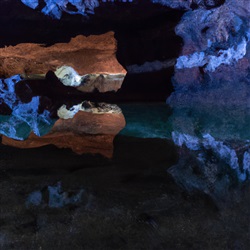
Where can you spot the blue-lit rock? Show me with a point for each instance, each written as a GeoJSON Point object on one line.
{"type": "Point", "coordinates": [25, 116]}
{"type": "Point", "coordinates": [55, 8]}
{"type": "Point", "coordinates": [214, 149]}
{"type": "Point", "coordinates": [212, 167]}
{"type": "Point", "coordinates": [214, 65]}
{"type": "Point", "coordinates": [31, 3]}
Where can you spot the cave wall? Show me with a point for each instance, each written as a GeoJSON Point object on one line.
{"type": "Point", "coordinates": [213, 67]}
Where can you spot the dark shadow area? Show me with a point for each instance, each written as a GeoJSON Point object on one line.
{"type": "Point", "coordinates": [149, 86]}
{"type": "Point", "coordinates": [129, 202]}
{"type": "Point", "coordinates": [129, 151]}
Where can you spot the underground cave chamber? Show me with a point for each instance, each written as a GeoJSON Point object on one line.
{"type": "Point", "coordinates": [122, 121]}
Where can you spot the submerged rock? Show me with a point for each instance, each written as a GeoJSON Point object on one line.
{"type": "Point", "coordinates": [57, 198]}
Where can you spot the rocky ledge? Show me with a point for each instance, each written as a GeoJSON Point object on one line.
{"type": "Point", "coordinates": [87, 63]}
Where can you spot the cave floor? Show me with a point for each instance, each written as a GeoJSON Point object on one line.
{"type": "Point", "coordinates": [129, 202]}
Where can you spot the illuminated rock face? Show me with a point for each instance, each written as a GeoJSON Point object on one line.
{"type": "Point", "coordinates": [55, 8]}
{"type": "Point", "coordinates": [84, 55]}
{"type": "Point", "coordinates": [103, 82]}
{"type": "Point", "coordinates": [214, 65]}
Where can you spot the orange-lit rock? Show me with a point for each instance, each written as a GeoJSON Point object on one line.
{"type": "Point", "coordinates": [95, 54]}
{"type": "Point", "coordinates": [86, 132]}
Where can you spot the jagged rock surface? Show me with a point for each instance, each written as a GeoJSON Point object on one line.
{"type": "Point", "coordinates": [214, 64]}
{"type": "Point", "coordinates": [86, 55]}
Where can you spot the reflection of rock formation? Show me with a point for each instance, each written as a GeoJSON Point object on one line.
{"type": "Point", "coordinates": [90, 130]}
{"type": "Point", "coordinates": [214, 150]}
{"type": "Point", "coordinates": [214, 168]}
{"type": "Point", "coordinates": [34, 95]}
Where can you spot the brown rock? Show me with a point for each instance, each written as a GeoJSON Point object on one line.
{"type": "Point", "coordinates": [94, 54]}
{"type": "Point", "coordinates": [86, 132]}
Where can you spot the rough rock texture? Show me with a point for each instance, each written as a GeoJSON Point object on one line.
{"type": "Point", "coordinates": [86, 132]}
{"type": "Point", "coordinates": [190, 4]}
{"type": "Point", "coordinates": [214, 64]}
{"type": "Point", "coordinates": [54, 8]}
{"type": "Point", "coordinates": [86, 55]}
{"type": "Point", "coordinates": [210, 176]}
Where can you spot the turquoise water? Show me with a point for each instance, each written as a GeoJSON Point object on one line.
{"type": "Point", "coordinates": [158, 120]}
{"type": "Point", "coordinates": [146, 120]}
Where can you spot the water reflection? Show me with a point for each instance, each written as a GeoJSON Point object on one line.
{"type": "Point", "coordinates": [158, 120]}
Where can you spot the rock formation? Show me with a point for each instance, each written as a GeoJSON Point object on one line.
{"type": "Point", "coordinates": [211, 98]}
{"type": "Point", "coordinates": [93, 56]}
{"type": "Point", "coordinates": [214, 56]}
{"type": "Point", "coordinates": [40, 100]}
{"type": "Point", "coordinates": [59, 66]}
{"type": "Point", "coordinates": [214, 64]}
